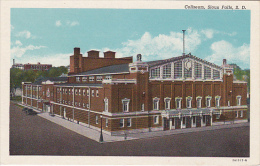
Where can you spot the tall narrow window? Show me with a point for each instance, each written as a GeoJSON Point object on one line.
{"type": "Point", "coordinates": [198, 101]}
{"type": "Point", "coordinates": [241, 114]}
{"type": "Point", "coordinates": [207, 72]}
{"type": "Point", "coordinates": [198, 70]}
{"type": "Point", "coordinates": [84, 92]}
{"type": "Point", "coordinates": [194, 120]}
{"type": "Point", "coordinates": [156, 103]}
{"type": "Point", "coordinates": [121, 123]}
{"type": "Point", "coordinates": [156, 119]}
{"type": "Point", "coordinates": [79, 91]}
{"type": "Point", "coordinates": [106, 104]}
{"type": "Point", "coordinates": [93, 93]}
{"type": "Point", "coordinates": [87, 92]}
{"type": "Point", "coordinates": [208, 101]}
{"type": "Point", "coordinates": [167, 71]}
{"type": "Point", "coordinates": [108, 77]}
{"type": "Point", "coordinates": [129, 122]}
{"type": "Point", "coordinates": [238, 100]}
{"type": "Point", "coordinates": [178, 102]}
{"type": "Point", "coordinates": [97, 94]}
{"type": "Point", "coordinates": [188, 102]}
{"type": "Point", "coordinates": [125, 103]}
{"type": "Point", "coordinates": [178, 69]}
{"type": "Point", "coordinates": [77, 79]}
{"type": "Point", "coordinates": [96, 119]}
{"type": "Point", "coordinates": [216, 74]}
{"type": "Point", "coordinates": [217, 101]}
{"type": "Point", "coordinates": [167, 101]}
{"type": "Point", "coordinates": [106, 122]}
{"type": "Point", "coordinates": [142, 109]}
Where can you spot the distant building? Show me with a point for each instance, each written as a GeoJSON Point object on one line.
{"type": "Point", "coordinates": [30, 66]}
{"type": "Point", "coordinates": [37, 66]}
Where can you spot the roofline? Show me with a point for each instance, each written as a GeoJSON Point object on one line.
{"type": "Point", "coordinates": [98, 74]}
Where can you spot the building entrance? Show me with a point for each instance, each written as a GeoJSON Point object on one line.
{"type": "Point", "coordinates": [166, 124]}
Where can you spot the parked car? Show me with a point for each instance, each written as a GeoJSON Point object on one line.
{"type": "Point", "coordinates": [31, 112]}
{"type": "Point", "coordinates": [25, 109]}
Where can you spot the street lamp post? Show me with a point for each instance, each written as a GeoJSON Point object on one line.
{"type": "Point", "coordinates": [101, 135]}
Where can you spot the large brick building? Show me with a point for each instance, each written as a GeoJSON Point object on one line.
{"type": "Point", "coordinates": [175, 93]}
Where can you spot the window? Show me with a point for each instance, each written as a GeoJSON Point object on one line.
{"type": "Point", "coordinates": [69, 102]}
{"type": "Point", "coordinates": [66, 90]}
{"type": "Point", "coordinates": [129, 122]}
{"type": "Point", "coordinates": [204, 118]}
{"type": "Point", "coordinates": [108, 77]}
{"type": "Point", "coordinates": [87, 105]}
{"type": "Point", "coordinates": [238, 100]}
{"type": "Point", "coordinates": [97, 94]}
{"type": "Point", "coordinates": [106, 104]}
{"type": "Point", "coordinates": [87, 92]}
{"type": "Point", "coordinates": [198, 70]}
{"type": "Point", "coordinates": [199, 101]}
{"type": "Point", "coordinates": [188, 102]}
{"type": "Point", "coordinates": [84, 79]}
{"type": "Point", "coordinates": [58, 100]}
{"type": "Point", "coordinates": [99, 78]}
{"type": "Point", "coordinates": [207, 72]}
{"type": "Point", "coordinates": [178, 102]}
{"type": "Point", "coordinates": [208, 101]}
{"type": "Point", "coordinates": [96, 119]}
{"type": "Point", "coordinates": [167, 71]}
{"type": "Point", "coordinates": [142, 109]}
{"type": "Point", "coordinates": [76, 91]}
{"type": "Point", "coordinates": [69, 91]}
{"type": "Point", "coordinates": [167, 103]}
{"type": "Point", "coordinates": [156, 103]}
{"type": "Point", "coordinates": [194, 120]}
{"type": "Point", "coordinates": [155, 73]}
{"type": "Point", "coordinates": [91, 78]}
{"type": "Point", "coordinates": [217, 100]}
{"type": "Point", "coordinates": [93, 93]}
{"type": "Point", "coordinates": [79, 91]}
{"type": "Point", "coordinates": [125, 103]}
{"type": "Point", "coordinates": [106, 122]}
{"type": "Point", "coordinates": [218, 116]}
{"type": "Point", "coordinates": [84, 92]}
{"type": "Point", "coordinates": [236, 112]}
{"type": "Point", "coordinates": [183, 120]}
{"type": "Point", "coordinates": [121, 123]}
{"type": "Point", "coordinates": [241, 114]}
{"type": "Point", "coordinates": [216, 74]}
{"type": "Point", "coordinates": [178, 70]}
{"type": "Point", "coordinates": [79, 104]}
{"type": "Point", "coordinates": [77, 79]}
{"type": "Point", "coordinates": [156, 119]}
{"type": "Point", "coordinates": [63, 101]}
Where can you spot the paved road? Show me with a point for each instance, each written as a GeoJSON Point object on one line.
{"type": "Point", "coordinates": [33, 135]}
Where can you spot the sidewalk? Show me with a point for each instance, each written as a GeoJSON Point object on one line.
{"type": "Point", "coordinates": [93, 134]}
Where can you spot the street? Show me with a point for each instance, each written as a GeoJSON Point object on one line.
{"type": "Point", "coordinates": [33, 135]}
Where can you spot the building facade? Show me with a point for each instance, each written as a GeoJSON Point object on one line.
{"type": "Point", "coordinates": [29, 66]}
{"type": "Point", "coordinates": [176, 93]}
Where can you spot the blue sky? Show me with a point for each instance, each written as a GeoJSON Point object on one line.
{"type": "Point", "coordinates": [49, 35]}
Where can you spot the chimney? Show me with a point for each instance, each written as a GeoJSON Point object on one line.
{"type": "Point", "coordinates": [93, 54]}
{"type": "Point", "coordinates": [109, 54]}
{"type": "Point", "coordinates": [13, 61]}
{"type": "Point", "coordinates": [224, 61]}
{"type": "Point", "coordinates": [76, 51]}
{"type": "Point", "coordinates": [183, 42]}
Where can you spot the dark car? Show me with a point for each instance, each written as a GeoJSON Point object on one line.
{"type": "Point", "coordinates": [31, 112]}
{"type": "Point", "coordinates": [25, 109]}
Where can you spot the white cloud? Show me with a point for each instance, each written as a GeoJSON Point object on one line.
{"type": "Point", "coordinates": [58, 23]}
{"type": "Point", "coordinates": [24, 33]}
{"type": "Point", "coordinates": [209, 33]}
{"type": "Point", "coordinates": [161, 46]}
{"type": "Point", "coordinates": [18, 51]}
{"type": "Point", "coordinates": [18, 43]}
{"type": "Point", "coordinates": [225, 50]}
{"type": "Point", "coordinates": [72, 23]}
